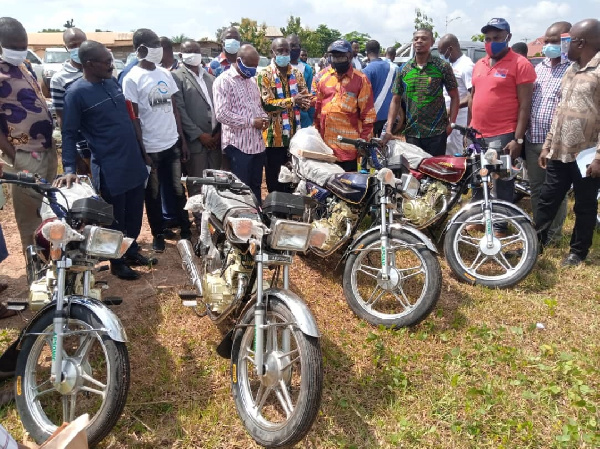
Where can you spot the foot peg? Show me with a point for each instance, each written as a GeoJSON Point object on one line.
{"type": "Point", "coordinates": [188, 297]}
{"type": "Point", "coordinates": [19, 306]}
{"type": "Point", "coordinates": [112, 300]}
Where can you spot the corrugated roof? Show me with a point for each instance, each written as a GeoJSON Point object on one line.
{"type": "Point", "coordinates": [535, 46]}
{"type": "Point", "coordinates": [56, 40]}
{"type": "Point", "coordinates": [273, 32]}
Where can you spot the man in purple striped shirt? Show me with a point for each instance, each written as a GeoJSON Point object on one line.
{"type": "Point", "coordinates": [238, 108]}
{"type": "Point", "coordinates": [546, 95]}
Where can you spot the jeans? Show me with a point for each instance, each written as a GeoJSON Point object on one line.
{"type": "Point", "coordinates": [275, 158]}
{"type": "Point", "coordinates": [128, 211]}
{"type": "Point", "coordinates": [167, 167]}
{"type": "Point", "coordinates": [559, 177]}
{"type": "Point", "coordinates": [436, 145]}
{"type": "Point", "coordinates": [247, 167]}
{"type": "Point", "coordinates": [537, 176]}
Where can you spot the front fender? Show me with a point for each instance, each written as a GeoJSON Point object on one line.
{"type": "Point", "coordinates": [396, 227]}
{"type": "Point", "coordinates": [520, 213]}
{"type": "Point", "coordinates": [110, 322]}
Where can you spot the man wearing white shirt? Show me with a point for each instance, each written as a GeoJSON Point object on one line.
{"type": "Point", "coordinates": [355, 61]}
{"type": "Point", "coordinates": [194, 101]}
{"type": "Point", "coordinates": [462, 66]}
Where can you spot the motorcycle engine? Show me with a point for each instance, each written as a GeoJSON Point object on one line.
{"type": "Point", "coordinates": [220, 286]}
{"type": "Point", "coordinates": [427, 205]}
{"type": "Point", "coordinates": [335, 223]}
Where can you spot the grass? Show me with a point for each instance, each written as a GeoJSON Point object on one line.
{"type": "Point", "coordinates": [512, 368]}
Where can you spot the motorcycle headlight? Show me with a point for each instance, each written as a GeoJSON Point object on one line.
{"type": "Point", "coordinates": [101, 242]}
{"type": "Point", "coordinates": [289, 235]}
{"type": "Point", "coordinates": [408, 186]}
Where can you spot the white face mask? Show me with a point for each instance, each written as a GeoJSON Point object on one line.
{"type": "Point", "coordinates": [14, 57]}
{"type": "Point", "coordinates": [154, 55]}
{"type": "Point", "coordinates": [193, 59]}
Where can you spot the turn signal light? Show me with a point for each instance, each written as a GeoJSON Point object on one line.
{"type": "Point", "coordinates": [55, 231]}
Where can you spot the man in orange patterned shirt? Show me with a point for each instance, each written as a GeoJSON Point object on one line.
{"type": "Point", "coordinates": [344, 105]}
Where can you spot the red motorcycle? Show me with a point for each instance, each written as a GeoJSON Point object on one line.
{"type": "Point", "coordinates": [489, 242]}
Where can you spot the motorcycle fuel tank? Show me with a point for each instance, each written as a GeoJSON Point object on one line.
{"type": "Point", "coordinates": [351, 187]}
{"type": "Point", "coordinates": [317, 192]}
{"type": "Point", "coordinates": [445, 168]}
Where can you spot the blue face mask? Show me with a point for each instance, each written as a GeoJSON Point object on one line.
{"type": "Point", "coordinates": [493, 48]}
{"type": "Point", "coordinates": [551, 50]}
{"type": "Point", "coordinates": [231, 46]}
{"type": "Point", "coordinates": [248, 72]}
{"type": "Point", "coordinates": [74, 52]}
{"type": "Point", "coordinates": [282, 61]}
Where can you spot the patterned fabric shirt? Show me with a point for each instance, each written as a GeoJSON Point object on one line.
{"type": "Point", "coordinates": [423, 93]}
{"type": "Point", "coordinates": [344, 107]}
{"type": "Point", "coordinates": [274, 105]}
{"type": "Point", "coordinates": [24, 116]}
{"type": "Point", "coordinates": [576, 123]}
{"type": "Point", "coordinates": [237, 103]}
{"type": "Point", "coordinates": [546, 95]}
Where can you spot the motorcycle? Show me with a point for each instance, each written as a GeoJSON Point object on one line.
{"type": "Point", "coordinates": [391, 276]}
{"type": "Point", "coordinates": [72, 355]}
{"type": "Point", "coordinates": [271, 336]}
{"type": "Point", "coordinates": [476, 252]}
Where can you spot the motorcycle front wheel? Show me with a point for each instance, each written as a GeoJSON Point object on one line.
{"type": "Point", "coordinates": [509, 260]}
{"type": "Point", "coordinates": [279, 407]}
{"type": "Point", "coordinates": [95, 377]}
{"type": "Point", "coordinates": [410, 293]}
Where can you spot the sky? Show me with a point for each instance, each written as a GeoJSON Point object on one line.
{"type": "Point", "coordinates": [387, 21]}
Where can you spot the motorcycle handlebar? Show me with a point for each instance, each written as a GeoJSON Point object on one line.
{"type": "Point", "coordinates": [464, 130]}
{"type": "Point", "coordinates": [213, 181]}
{"type": "Point", "coordinates": [358, 143]}
{"type": "Point", "coordinates": [23, 177]}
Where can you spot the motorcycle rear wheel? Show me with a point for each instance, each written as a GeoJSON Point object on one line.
{"type": "Point", "coordinates": [96, 377]}
{"type": "Point", "coordinates": [413, 289]}
{"type": "Point", "coordinates": [278, 408]}
{"type": "Point", "coordinates": [514, 255]}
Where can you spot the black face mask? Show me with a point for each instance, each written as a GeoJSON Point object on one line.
{"type": "Point", "coordinates": [341, 67]}
{"type": "Point", "coordinates": [294, 54]}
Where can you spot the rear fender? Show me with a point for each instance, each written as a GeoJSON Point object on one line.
{"type": "Point", "coordinates": [520, 213]}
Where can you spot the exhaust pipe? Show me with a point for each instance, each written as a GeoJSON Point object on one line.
{"type": "Point", "coordinates": [187, 260]}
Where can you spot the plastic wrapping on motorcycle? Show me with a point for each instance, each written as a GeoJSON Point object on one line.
{"type": "Point", "coordinates": [284, 205]}
{"type": "Point", "coordinates": [316, 171]}
{"type": "Point", "coordinates": [411, 152]}
{"type": "Point", "coordinates": [93, 211]}
{"type": "Point", "coordinates": [77, 191]}
{"type": "Point", "coordinates": [309, 139]}
{"type": "Point", "coordinates": [220, 203]}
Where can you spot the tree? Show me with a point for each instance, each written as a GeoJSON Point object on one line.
{"type": "Point", "coordinates": [478, 37]}
{"type": "Point", "coordinates": [319, 40]}
{"type": "Point", "coordinates": [256, 35]}
{"type": "Point", "coordinates": [180, 38]}
{"type": "Point", "coordinates": [51, 30]}
{"type": "Point", "coordinates": [293, 27]}
{"type": "Point", "coordinates": [69, 24]}
{"type": "Point", "coordinates": [361, 38]}
{"type": "Point", "coordinates": [422, 20]}
{"type": "Point", "coordinates": [98, 30]}
{"type": "Point", "coordinates": [220, 30]}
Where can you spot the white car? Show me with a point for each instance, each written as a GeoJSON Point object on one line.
{"type": "Point", "coordinates": [36, 64]}
{"type": "Point", "coordinates": [54, 58]}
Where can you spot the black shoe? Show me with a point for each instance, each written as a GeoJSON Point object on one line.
{"type": "Point", "coordinates": [139, 260]}
{"type": "Point", "coordinates": [158, 243]}
{"type": "Point", "coordinates": [7, 395]}
{"type": "Point", "coordinates": [572, 260]}
{"type": "Point", "coordinates": [187, 234]}
{"type": "Point", "coordinates": [169, 234]}
{"type": "Point", "coordinates": [124, 271]}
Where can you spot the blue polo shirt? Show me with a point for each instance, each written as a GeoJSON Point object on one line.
{"type": "Point", "coordinates": [377, 71]}
{"type": "Point", "coordinates": [98, 111]}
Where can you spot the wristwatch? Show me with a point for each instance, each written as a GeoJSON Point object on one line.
{"type": "Point", "coordinates": [519, 141]}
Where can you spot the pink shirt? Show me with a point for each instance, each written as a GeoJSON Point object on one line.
{"type": "Point", "coordinates": [237, 103]}
{"type": "Point", "coordinates": [495, 103]}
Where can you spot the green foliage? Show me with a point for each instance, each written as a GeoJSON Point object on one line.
{"type": "Point", "coordinates": [422, 20]}
{"type": "Point", "coordinates": [478, 37]}
{"type": "Point", "coordinates": [315, 42]}
{"type": "Point", "coordinates": [361, 38]}
{"type": "Point", "coordinates": [52, 30]}
{"type": "Point", "coordinates": [251, 32]}
{"type": "Point", "coordinates": [180, 38]}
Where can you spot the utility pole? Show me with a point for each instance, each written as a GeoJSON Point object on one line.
{"type": "Point", "coordinates": [525, 39]}
{"type": "Point", "coordinates": [448, 21]}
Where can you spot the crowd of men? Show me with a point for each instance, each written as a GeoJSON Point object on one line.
{"type": "Point", "coordinates": [168, 114]}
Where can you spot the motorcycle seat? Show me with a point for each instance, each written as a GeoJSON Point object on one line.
{"type": "Point", "coordinates": [315, 171]}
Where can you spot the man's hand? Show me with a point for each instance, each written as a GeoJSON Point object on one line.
{"type": "Point", "coordinates": [386, 137]}
{"type": "Point", "coordinates": [449, 130]}
{"type": "Point", "coordinates": [207, 141]}
{"type": "Point", "coordinates": [514, 149]}
{"type": "Point", "coordinates": [302, 101]}
{"type": "Point", "coordinates": [67, 180]}
{"type": "Point", "coordinates": [593, 170]}
{"type": "Point", "coordinates": [148, 161]}
{"type": "Point", "coordinates": [185, 152]}
{"type": "Point", "coordinates": [260, 123]}
{"type": "Point", "coordinates": [543, 158]}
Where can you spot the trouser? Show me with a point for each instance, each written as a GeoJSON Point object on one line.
{"type": "Point", "coordinates": [378, 127]}
{"type": "Point", "coordinates": [200, 161]}
{"type": "Point", "coordinates": [348, 166]}
{"type": "Point", "coordinates": [166, 166]}
{"type": "Point", "coordinates": [559, 177]}
{"type": "Point", "coordinates": [128, 211]}
{"type": "Point", "coordinates": [26, 202]}
{"type": "Point", "coordinates": [247, 167]}
{"type": "Point", "coordinates": [537, 176]}
{"type": "Point", "coordinates": [436, 145]}
{"type": "Point", "coordinates": [275, 158]}
{"type": "Point", "coordinates": [168, 199]}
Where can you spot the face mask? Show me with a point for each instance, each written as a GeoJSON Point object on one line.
{"type": "Point", "coordinates": [282, 61]}
{"type": "Point", "coordinates": [74, 52]}
{"type": "Point", "coordinates": [248, 72]}
{"type": "Point", "coordinates": [551, 50]}
{"type": "Point", "coordinates": [493, 48]}
{"type": "Point", "coordinates": [154, 55]}
{"type": "Point", "coordinates": [444, 57]}
{"type": "Point", "coordinates": [231, 46]}
{"type": "Point", "coordinates": [14, 57]}
{"type": "Point", "coordinates": [295, 54]}
{"type": "Point", "coordinates": [193, 59]}
{"type": "Point", "coordinates": [341, 67]}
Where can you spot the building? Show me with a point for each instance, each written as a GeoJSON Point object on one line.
{"type": "Point", "coordinates": [535, 47]}
{"type": "Point", "coordinates": [273, 33]}
{"type": "Point", "coordinates": [121, 44]}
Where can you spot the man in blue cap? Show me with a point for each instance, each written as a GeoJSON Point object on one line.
{"type": "Point", "coordinates": [500, 103]}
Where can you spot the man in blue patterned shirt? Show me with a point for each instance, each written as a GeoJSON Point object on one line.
{"type": "Point", "coordinates": [546, 95]}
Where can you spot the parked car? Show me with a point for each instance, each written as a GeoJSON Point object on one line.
{"type": "Point", "coordinates": [53, 60]}
{"type": "Point", "coordinates": [118, 67]}
{"type": "Point", "coordinates": [536, 60]}
{"type": "Point", "coordinates": [130, 58]}
{"type": "Point", "coordinates": [36, 64]}
{"type": "Point", "coordinates": [474, 50]}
